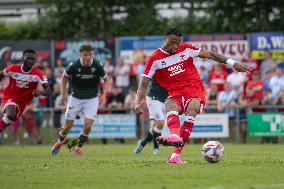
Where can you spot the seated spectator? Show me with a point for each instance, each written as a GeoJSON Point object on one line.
{"type": "Point", "coordinates": [266, 81]}
{"type": "Point", "coordinates": [116, 98]}
{"type": "Point", "coordinates": [211, 98]}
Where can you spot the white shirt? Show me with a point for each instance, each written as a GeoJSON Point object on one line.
{"type": "Point", "coordinates": [236, 79]}
{"type": "Point", "coordinates": [122, 76]}
{"type": "Point", "coordinates": [276, 84]}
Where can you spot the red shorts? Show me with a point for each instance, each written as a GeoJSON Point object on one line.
{"type": "Point", "coordinates": [20, 106]}
{"type": "Point", "coordinates": [183, 97]}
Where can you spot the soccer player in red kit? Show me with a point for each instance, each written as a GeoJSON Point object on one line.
{"type": "Point", "coordinates": [172, 68]}
{"type": "Point", "coordinates": [24, 79]}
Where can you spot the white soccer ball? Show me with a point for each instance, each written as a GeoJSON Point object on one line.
{"type": "Point", "coordinates": [212, 151]}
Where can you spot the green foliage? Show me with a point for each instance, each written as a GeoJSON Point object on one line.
{"type": "Point", "coordinates": [114, 166]}
{"type": "Point", "coordinates": [98, 18]}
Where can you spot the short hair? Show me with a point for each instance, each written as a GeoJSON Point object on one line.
{"type": "Point", "coordinates": [29, 51]}
{"type": "Point", "coordinates": [173, 31]}
{"type": "Point", "coordinates": [86, 47]}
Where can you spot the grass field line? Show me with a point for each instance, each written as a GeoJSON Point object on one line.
{"type": "Point", "coordinates": [276, 185]}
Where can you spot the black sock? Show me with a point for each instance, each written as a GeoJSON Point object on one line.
{"type": "Point", "coordinates": [82, 140]}
{"type": "Point", "coordinates": [147, 139]}
{"type": "Point", "coordinates": [61, 137]}
{"type": "Point", "coordinates": [155, 135]}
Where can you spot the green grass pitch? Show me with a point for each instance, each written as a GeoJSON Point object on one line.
{"type": "Point", "coordinates": [114, 166]}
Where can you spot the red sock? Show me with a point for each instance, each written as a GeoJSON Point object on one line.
{"type": "Point", "coordinates": [173, 122]}
{"type": "Point", "coordinates": [185, 132]}
{"type": "Point", "coordinates": [3, 125]}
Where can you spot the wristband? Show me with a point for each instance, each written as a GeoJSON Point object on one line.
{"type": "Point", "coordinates": [231, 62]}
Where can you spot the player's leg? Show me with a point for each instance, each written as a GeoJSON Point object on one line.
{"type": "Point", "coordinates": [90, 109]}
{"type": "Point", "coordinates": [173, 123]}
{"type": "Point", "coordinates": [159, 124]}
{"type": "Point", "coordinates": [148, 138]}
{"type": "Point", "coordinates": [157, 131]}
{"type": "Point", "coordinates": [10, 115]}
{"type": "Point", "coordinates": [193, 108]}
{"type": "Point", "coordinates": [72, 110]}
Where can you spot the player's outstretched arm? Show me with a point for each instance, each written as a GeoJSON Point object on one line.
{"type": "Point", "coordinates": [222, 59]}
{"type": "Point", "coordinates": [141, 94]}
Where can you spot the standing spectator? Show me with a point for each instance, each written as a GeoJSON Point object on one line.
{"type": "Point", "coordinates": [266, 81]}
{"type": "Point", "coordinates": [122, 76]}
{"type": "Point", "coordinates": [59, 108]}
{"type": "Point", "coordinates": [211, 98]}
{"type": "Point", "coordinates": [203, 73]}
{"type": "Point", "coordinates": [267, 64]}
{"type": "Point", "coordinates": [58, 70]}
{"type": "Point", "coordinates": [218, 77]}
{"type": "Point", "coordinates": [237, 80]}
{"type": "Point", "coordinates": [281, 63]}
{"type": "Point", "coordinates": [129, 101]}
{"type": "Point", "coordinates": [116, 98]}
{"type": "Point", "coordinates": [255, 87]}
{"type": "Point", "coordinates": [277, 83]}
{"type": "Point", "coordinates": [250, 62]}
{"type": "Point", "coordinates": [140, 69]}
{"type": "Point", "coordinates": [109, 68]}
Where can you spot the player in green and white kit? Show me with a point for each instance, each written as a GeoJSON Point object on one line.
{"type": "Point", "coordinates": [84, 76]}
{"type": "Point", "coordinates": [155, 102]}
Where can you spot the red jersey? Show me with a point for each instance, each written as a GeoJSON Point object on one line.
{"type": "Point", "coordinates": [22, 83]}
{"type": "Point", "coordinates": [258, 94]}
{"type": "Point", "coordinates": [176, 73]}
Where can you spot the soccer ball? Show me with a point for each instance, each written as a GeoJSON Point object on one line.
{"type": "Point", "coordinates": [212, 151]}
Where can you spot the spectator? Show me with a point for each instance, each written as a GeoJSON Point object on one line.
{"type": "Point", "coordinates": [58, 70]}
{"type": "Point", "coordinates": [254, 87]}
{"type": "Point", "coordinates": [116, 98]}
{"type": "Point", "coordinates": [211, 98]}
{"type": "Point", "coordinates": [268, 64]}
{"type": "Point", "coordinates": [140, 69]}
{"type": "Point", "coordinates": [237, 80]}
{"type": "Point", "coordinates": [129, 101]}
{"type": "Point", "coordinates": [266, 81]}
{"type": "Point", "coordinates": [281, 64]}
{"type": "Point", "coordinates": [250, 62]}
{"type": "Point", "coordinates": [226, 100]}
{"type": "Point", "coordinates": [218, 77]}
{"type": "Point", "coordinates": [203, 73]}
{"type": "Point", "coordinates": [122, 76]}
{"type": "Point", "coordinates": [277, 83]}
{"type": "Point", "coordinates": [109, 68]}
{"type": "Point", "coordinates": [248, 100]}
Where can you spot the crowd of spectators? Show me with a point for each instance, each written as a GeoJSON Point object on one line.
{"type": "Point", "coordinates": [225, 89]}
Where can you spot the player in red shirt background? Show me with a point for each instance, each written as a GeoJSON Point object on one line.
{"type": "Point", "coordinates": [172, 68]}
{"type": "Point", "coordinates": [24, 79]}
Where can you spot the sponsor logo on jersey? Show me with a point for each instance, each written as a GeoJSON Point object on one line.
{"type": "Point", "coordinates": [176, 69]}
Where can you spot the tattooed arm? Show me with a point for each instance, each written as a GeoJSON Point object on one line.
{"type": "Point", "coordinates": [141, 94]}
{"type": "Point", "coordinates": [222, 59]}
